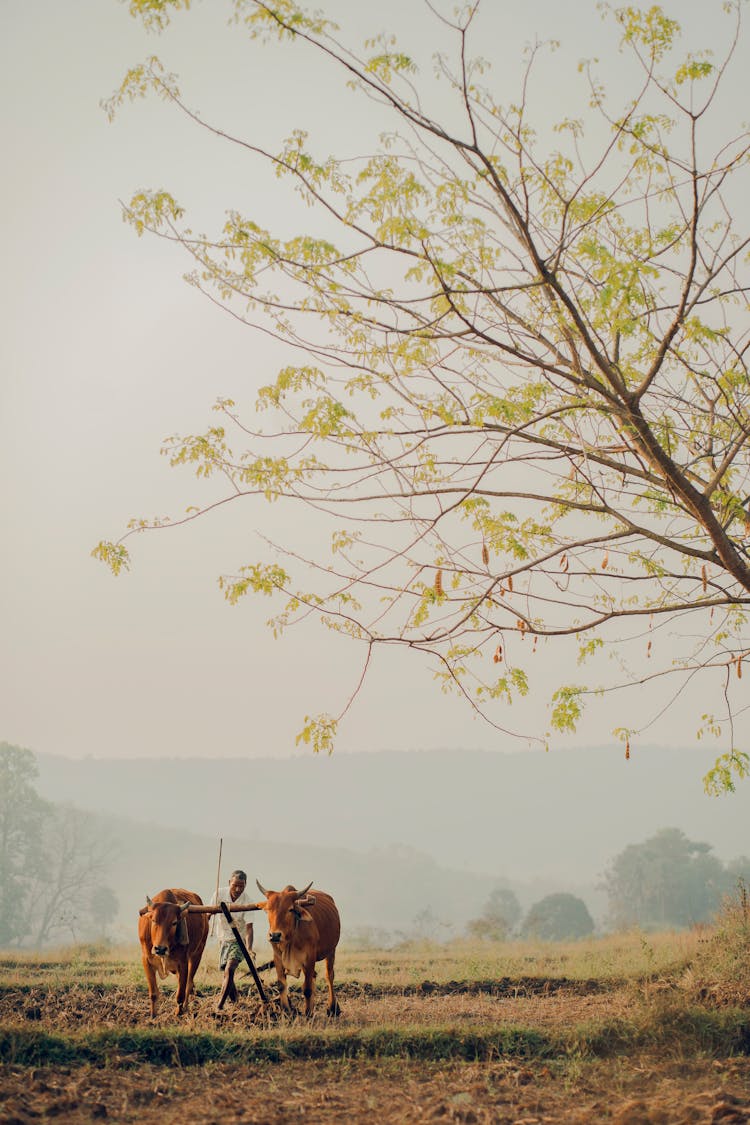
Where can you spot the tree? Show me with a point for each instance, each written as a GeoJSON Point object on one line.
{"type": "Point", "coordinates": [558, 917]}
{"type": "Point", "coordinates": [667, 881]}
{"type": "Point", "coordinates": [501, 914]}
{"type": "Point", "coordinates": [76, 854]}
{"type": "Point", "coordinates": [52, 857]}
{"type": "Point", "coordinates": [518, 383]}
{"type": "Point", "coordinates": [22, 814]}
{"type": "Point", "coordinates": [103, 909]}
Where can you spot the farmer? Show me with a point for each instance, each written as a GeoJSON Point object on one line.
{"type": "Point", "coordinates": [229, 951]}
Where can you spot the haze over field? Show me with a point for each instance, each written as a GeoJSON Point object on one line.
{"type": "Point", "coordinates": [396, 834]}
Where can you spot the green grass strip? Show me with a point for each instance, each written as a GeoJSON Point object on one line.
{"type": "Point", "coordinates": [721, 1033]}
{"type": "Point", "coordinates": [28, 1047]}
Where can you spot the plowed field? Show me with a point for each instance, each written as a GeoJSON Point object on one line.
{"type": "Point", "coordinates": [524, 1051]}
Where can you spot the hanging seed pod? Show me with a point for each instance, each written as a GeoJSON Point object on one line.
{"type": "Point", "coordinates": [510, 581]}
{"type": "Point", "coordinates": [739, 667]}
{"type": "Point", "coordinates": [605, 561]}
{"type": "Point", "coordinates": [564, 564]}
{"type": "Point", "coordinates": [439, 583]}
{"type": "Point", "coordinates": [627, 751]}
{"type": "Point", "coordinates": [485, 555]}
{"type": "Point", "coordinates": [648, 651]}
{"type": "Point", "coordinates": [711, 615]}
{"type": "Point", "coordinates": [747, 525]}
{"type": "Point", "coordinates": [704, 578]}
{"type": "Point", "coordinates": [533, 647]}
{"type": "Point", "coordinates": [498, 654]}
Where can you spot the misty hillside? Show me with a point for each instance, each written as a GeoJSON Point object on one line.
{"type": "Point", "coordinates": [382, 892]}
{"type": "Point", "coordinates": [558, 818]}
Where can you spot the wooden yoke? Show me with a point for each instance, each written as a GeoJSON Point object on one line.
{"type": "Point", "coordinates": [193, 909]}
{"type": "Point", "coordinates": [219, 909]}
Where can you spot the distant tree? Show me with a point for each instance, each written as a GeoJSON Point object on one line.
{"type": "Point", "coordinates": [22, 817]}
{"type": "Point", "coordinates": [667, 881]}
{"type": "Point", "coordinates": [52, 857]}
{"type": "Point", "coordinates": [428, 927]}
{"type": "Point", "coordinates": [103, 907]}
{"type": "Point", "coordinates": [76, 855]}
{"type": "Point", "coordinates": [516, 388]}
{"type": "Point", "coordinates": [558, 917]}
{"type": "Point", "coordinates": [500, 916]}
{"type": "Point", "coordinates": [738, 870]}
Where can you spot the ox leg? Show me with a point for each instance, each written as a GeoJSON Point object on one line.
{"type": "Point", "coordinates": [309, 990]}
{"type": "Point", "coordinates": [153, 988]}
{"type": "Point", "coordinates": [182, 989]}
{"type": "Point", "coordinates": [281, 978]}
{"type": "Point", "coordinates": [333, 1004]}
{"type": "Point", "coordinates": [193, 964]}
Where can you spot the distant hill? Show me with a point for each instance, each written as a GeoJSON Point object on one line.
{"type": "Point", "coordinates": [383, 893]}
{"type": "Point", "coordinates": [559, 817]}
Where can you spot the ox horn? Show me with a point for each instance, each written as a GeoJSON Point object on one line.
{"type": "Point", "coordinates": [149, 903]}
{"type": "Point", "coordinates": [301, 894]}
{"type": "Point", "coordinates": [183, 906]}
{"type": "Point", "coordinates": [261, 888]}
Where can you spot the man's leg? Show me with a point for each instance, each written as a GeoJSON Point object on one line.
{"type": "Point", "coordinates": [229, 961]}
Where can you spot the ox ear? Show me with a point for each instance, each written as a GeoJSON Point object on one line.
{"type": "Point", "coordinates": [301, 913]}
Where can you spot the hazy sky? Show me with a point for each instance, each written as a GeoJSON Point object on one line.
{"type": "Point", "coordinates": [105, 352]}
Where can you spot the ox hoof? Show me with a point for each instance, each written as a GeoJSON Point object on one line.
{"type": "Point", "coordinates": [333, 1011]}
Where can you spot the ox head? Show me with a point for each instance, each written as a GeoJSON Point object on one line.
{"type": "Point", "coordinates": [168, 928]}
{"type": "Point", "coordinates": [285, 910]}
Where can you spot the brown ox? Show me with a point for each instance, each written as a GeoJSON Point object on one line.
{"type": "Point", "coordinates": [172, 941]}
{"type": "Point", "coordinates": [303, 929]}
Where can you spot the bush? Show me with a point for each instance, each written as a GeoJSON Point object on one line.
{"type": "Point", "coordinates": [558, 917]}
{"type": "Point", "coordinates": [499, 918]}
{"type": "Point", "coordinates": [721, 971]}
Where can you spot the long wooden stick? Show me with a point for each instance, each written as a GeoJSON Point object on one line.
{"type": "Point", "coordinates": [244, 952]}
{"type": "Point", "coordinates": [218, 877]}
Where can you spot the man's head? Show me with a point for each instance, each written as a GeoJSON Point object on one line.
{"type": "Point", "coordinates": [237, 883]}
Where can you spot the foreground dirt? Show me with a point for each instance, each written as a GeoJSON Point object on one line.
{"type": "Point", "coordinates": [639, 1092]}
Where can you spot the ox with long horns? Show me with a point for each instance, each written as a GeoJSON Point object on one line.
{"type": "Point", "coordinates": [303, 929]}
{"type": "Point", "coordinates": [172, 941]}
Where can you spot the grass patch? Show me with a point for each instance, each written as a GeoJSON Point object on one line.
{"type": "Point", "coordinates": [693, 1031]}
{"type": "Point", "coordinates": [29, 1047]}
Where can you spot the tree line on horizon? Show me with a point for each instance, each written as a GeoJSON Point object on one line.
{"type": "Point", "coordinates": [667, 882]}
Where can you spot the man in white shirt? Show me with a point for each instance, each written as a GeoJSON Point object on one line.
{"type": "Point", "coordinates": [230, 954]}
